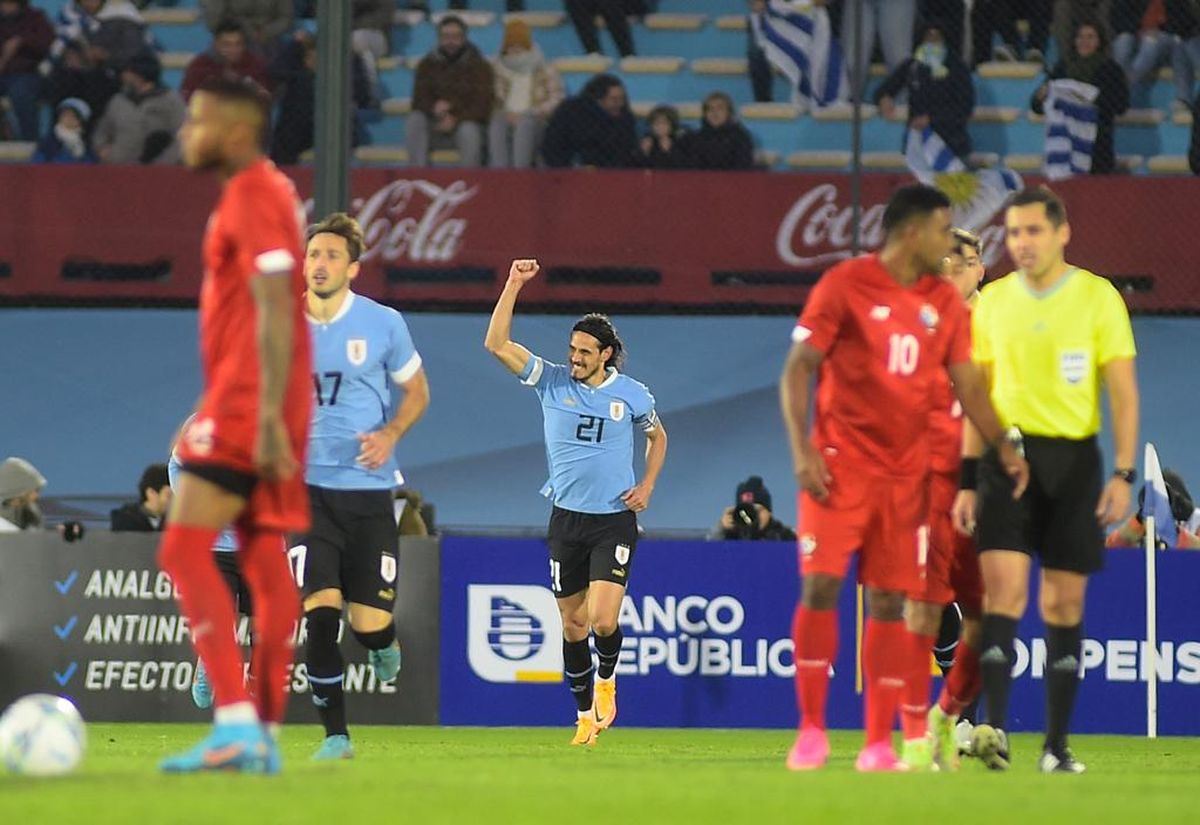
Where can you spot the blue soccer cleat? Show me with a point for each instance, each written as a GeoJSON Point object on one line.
{"type": "Point", "coordinates": [386, 662]}
{"type": "Point", "coordinates": [334, 747]}
{"type": "Point", "coordinates": [202, 693]}
{"type": "Point", "coordinates": [243, 747]}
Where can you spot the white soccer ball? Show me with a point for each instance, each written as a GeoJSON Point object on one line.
{"type": "Point", "coordinates": [42, 735]}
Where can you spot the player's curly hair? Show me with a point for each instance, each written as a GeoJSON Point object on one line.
{"type": "Point", "coordinates": [600, 327]}
{"type": "Point", "coordinates": [344, 226]}
{"type": "Point", "coordinates": [963, 238]}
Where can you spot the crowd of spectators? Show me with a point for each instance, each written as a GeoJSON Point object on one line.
{"type": "Point", "coordinates": [87, 86]}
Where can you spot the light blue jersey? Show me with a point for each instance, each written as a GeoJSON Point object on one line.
{"type": "Point", "coordinates": [356, 357]}
{"type": "Point", "coordinates": [227, 541]}
{"type": "Point", "coordinates": [589, 435]}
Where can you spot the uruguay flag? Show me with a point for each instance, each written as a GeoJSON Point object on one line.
{"type": "Point", "coordinates": [1071, 117]}
{"type": "Point", "coordinates": [976, 196]}
{"type": "Point", "coordinates": [1156, 502]}
{"type": "Point", "coordinates": [798, 41]}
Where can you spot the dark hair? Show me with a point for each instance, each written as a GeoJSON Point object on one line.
{"type": "Point", "coordinates": [154, 477]}
{"type": "Point", "coordinates": [964, 238]}
{"type": "Point", "coordinates": [452, 20]}
{"type": "Point", "coordinates": [345, 227]}
{"type": "Point", "coordinates": [598, 86]}
{"type": "Point", "coordinates": [1094, 23]}
{"type": "Point", "coordinates": [228, 25]}
{"type": "Point", "coordinates": [601, 328]}
{"type": "Point", "coordinates": [1056, 210]}
{"type": "Point", "coordinates": [711, 96]}
{"type": "Point", "coordinates": [912, 201]}
{"type": "Point", "coordinates": [664, 110]}
{"type": "Point", "coordinates": [244, 91]}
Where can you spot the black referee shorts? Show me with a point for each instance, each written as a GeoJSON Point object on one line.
{"type": "Point", "coordinates": [588, 547]}
{"type": "Point", "coordinates": [1055, 520]}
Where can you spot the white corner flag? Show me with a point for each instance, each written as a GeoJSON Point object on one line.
{"type": "Point", "coordinates": [1156, 514]}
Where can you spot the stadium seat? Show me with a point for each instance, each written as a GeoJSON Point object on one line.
{"type": "Point", "coordinates": [1169, 165]}
{"type": "Point", "coordinates": [16, 151]}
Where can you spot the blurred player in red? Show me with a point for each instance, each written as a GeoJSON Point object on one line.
{"type": "Point", "coordinates": [876, 331]}
{"type": "Point", "coordinates": [243, 452]}
{"type": "Point", "coordinates": [952, 571]}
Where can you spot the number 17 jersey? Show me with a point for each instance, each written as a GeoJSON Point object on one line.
{"type": "Point", "coordinates": [884, 346]}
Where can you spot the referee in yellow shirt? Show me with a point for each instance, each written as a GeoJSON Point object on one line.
{"type": "Point", "coordinates": [1047, 337]}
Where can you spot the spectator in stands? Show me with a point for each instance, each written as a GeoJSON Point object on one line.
{"type": "Point", "coordinates": [25, 38]}
{"type": "Point", "coordinates": [141, 123]}
{"type": "Point", "coordinates": [20, 486]}
{"type": "Point", "coordinates": [1183, 510]}
{"type": "Point", "coordinates": [583, 17]}
{"type": "Point", "coordinates": [294, 71]}
{"type": "Point", "coordinates": [149, 513]}
{"type": "Point", "coordinates": [266, 23]}
{"type": "Point", "coordinates": [952, 16]}
{"type": "Point", "coordinates": [992, 17]}
{"type": "Point", "coordinates": [1068, 14]}
{"type": "Point", "coordinates": [662, 145]}
{"type": "Point", "coordinates": [721, 141]}
{"type": "Point", "coordinates": [761, 74]}
{"type": "Point", "coordinates": [229, 58]}
{"type": "Point", "coordinates": [1088, 61]}
{"type": "Point", "coordinates": [528, 89]}
{"type": "Point", "coordinates": [109, 32]}
{"type": "Point", "coordinates": [893, 21]}
{"type": "Point", "coordinates": [67, 141]}
{"type": "Point", "coordinates": [1194, 146]}
{"type": "Point", "coordinates": [594, 128]}
{"type": "Point", "coordinates": [371, 25]}
{"type": "Point", "coordinates": [1152, 35]}
{"type": "Point", "coordinates": [75, 77]}
{"type": "Point", "coordinates": [1183, 23]}
{"type": "Point", "coordinates": [940, 91]}
{"type": "Point", "coordinates": [750, 518]}
{"type": "Point", "coordinates": [453, 95]}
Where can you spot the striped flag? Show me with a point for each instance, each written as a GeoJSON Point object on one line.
{"type": "Point", "coordinates": [798, 41]}
{"type": "Point", "coordinates": [1070, 128]}
{"type": "Point", "coordinates": [1156, 502]}
{"type": "Point", "coordinates": [975, 196]}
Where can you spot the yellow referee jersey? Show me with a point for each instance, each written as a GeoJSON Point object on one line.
{"type": "Point", "coordinates": [1046, 350]}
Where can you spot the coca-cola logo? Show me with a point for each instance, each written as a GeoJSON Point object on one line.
{"type": "Point", "coordinates": [816, 231]}
{"type": "Point", "coordinates": [412, 220]}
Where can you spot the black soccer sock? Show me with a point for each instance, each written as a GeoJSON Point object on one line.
{"type": "Point", "coordinates": [1063, 649]}
{"type": "Point", "coordinates": [996, 660]}
{"type": "Point", "coordinates": [577, 665]}
{"type": "Point", "coordinates": [608, 649]}
{"type": "Point", "coordinates": [324, 661]}
{"type": "Point", "coordinates": [376, 639]}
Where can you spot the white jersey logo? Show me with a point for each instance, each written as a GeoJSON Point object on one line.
{"type": "Point", "coordinates": [356, 351]}
{"type": "Point", "coordinates": [616, 410]}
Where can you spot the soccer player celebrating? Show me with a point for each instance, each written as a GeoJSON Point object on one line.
{"type": "Point", "coordinates": [350, 554]}
{"type": "Point", "coordinates": [952, 568]}
{"type": "Point", "coordinates": [1047, 336]}
{"type": "Point", "coordinates": [590, 412]}
{"type": "Point", "coordinates": [242, 453]}
{"type": "Point", "coordinates": [876, 330]}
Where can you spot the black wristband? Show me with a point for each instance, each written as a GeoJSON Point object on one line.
{"type": "Point", "coordinates": [1126, 474]}
{"type": "Point", "coordinates": [968, 474]}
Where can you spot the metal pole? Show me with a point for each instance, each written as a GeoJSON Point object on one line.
{"type": "Point", "coordinates": [856, 85]}
{"type": "Point", "coordinates": [332, 186]}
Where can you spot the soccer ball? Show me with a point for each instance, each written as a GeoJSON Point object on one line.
{"type": "Point", "coordinates": [42, 735]}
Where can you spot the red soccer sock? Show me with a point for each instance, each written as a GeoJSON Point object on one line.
{"type": "Point", "coordinates": [815, 635]}
{"type": "Point", "coordinates": [963, 682]}
{"type": "Point", "coordinates": [914, 705]}
{"type": "Point", "coordinates": [276, 611]}
{"type": "Point", "coordinates": [186, 556]}
{"type": "Point", "coordinates": [886, 659]}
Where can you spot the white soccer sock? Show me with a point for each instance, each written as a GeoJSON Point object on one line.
{"type": "Point", "coordinates": [238, 713]}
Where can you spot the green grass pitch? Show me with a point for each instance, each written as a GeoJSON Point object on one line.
{"type": "Point", "coordinates": [530, 775]}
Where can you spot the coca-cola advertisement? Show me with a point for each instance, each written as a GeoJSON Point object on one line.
{"type": "Point", "coordinates": [629, 241]}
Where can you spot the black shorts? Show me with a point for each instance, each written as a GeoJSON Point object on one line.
{"type": "Point", "coordinates": [588, 547]}
{"type": "Point", "coordinates": [352, 546]}
{"type": "Point", "coordinates": [1055, 519]}
{"type": "Point", "coordinates": [228, 479]}
{"type": "Point", "coordinates": [227, 564]}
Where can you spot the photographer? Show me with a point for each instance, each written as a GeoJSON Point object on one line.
{"type": "Point", "coordinates": [750, 518]}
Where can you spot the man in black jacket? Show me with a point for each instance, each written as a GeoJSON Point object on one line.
{"type": "Point", "coordinates": [594, 128]}
{"type": "Point", "coordinates": [750, 517]}
{"type": "Point", "coordinates": [148, 514]}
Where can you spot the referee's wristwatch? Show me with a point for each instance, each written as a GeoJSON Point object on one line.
{"type": "Point", "coordinates": [1126, 474]}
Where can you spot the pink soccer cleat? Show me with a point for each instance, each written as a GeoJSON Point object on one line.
{"type": "Point", "coordinates": [879, 758]}
{"type": "Point", "coordinates": [810, 751]}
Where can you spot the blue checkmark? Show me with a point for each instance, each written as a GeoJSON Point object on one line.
{"type": "Point", "coordinates": [64, 677]}
{"type": "Point", "coordinates": [65, 585]}
{"type": "Point", "coordinates": [65, 631]}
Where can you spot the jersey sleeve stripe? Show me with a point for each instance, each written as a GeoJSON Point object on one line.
{"type": "Point", "coordinates": [648, 422]}
{"type": "Point", "coordinates": [406, 372]}
{"type": "Point", "coordinates": [535, 374]}
{"type": "Point", "coordinates": [275, 260]}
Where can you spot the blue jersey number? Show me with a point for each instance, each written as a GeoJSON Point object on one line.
{"type": "Point", "coordinates": [590, 429]}
{"type": "Point", "coordinates": [337, 385]}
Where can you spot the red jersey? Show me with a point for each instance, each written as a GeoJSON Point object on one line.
{"type": "Point", "coordinates": [884, 347]}
{"type": "Point", "coordinates": [255, 229]}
